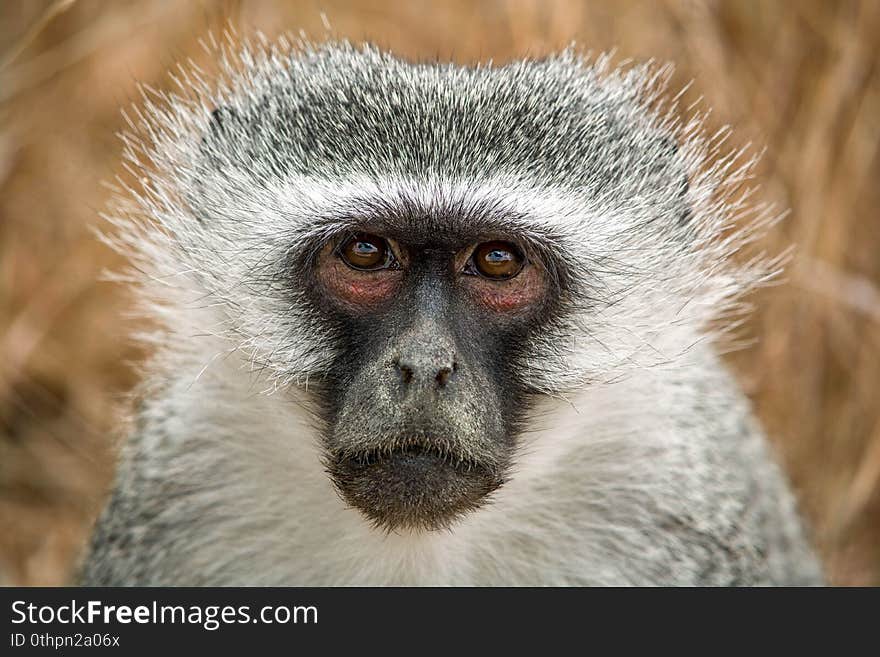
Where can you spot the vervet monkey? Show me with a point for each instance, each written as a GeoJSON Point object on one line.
{"type": "Point", "coordinates": [434, 324]}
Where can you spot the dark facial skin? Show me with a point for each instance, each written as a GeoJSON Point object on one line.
{"type": "Point", "coordinates": [424, 401]}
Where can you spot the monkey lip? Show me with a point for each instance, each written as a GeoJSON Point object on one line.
{"type": "Point", "coordinates": [412, 487]}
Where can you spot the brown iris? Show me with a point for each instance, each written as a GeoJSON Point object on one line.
{"type": "Point", "coordinates": [366, 252]}
{"type": "Point", "coordinates": [497, 260]}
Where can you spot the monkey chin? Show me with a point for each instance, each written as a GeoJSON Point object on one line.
{"type": "Point", "coordinates": [413, 488]}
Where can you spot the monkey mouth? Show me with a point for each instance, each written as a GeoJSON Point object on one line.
{"type": "Point", "coordinates": [412, 487]}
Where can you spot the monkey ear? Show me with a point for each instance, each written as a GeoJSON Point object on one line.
{"type": "Point", "coordinates": [684, 187]}
{"type": "Point", "coordinates": [686, 213]}
{"type": "Point", "coordinates": [221, 118]}
{"type": "Point", "coordinates": [669, 146]}
{"type": "Point", "coordinates": [222, 121]}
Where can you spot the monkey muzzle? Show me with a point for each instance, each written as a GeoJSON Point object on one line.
{"type": "Point", "coordinates": [418, 437]}
{"type": "Point", "coordinates": [416, 486]}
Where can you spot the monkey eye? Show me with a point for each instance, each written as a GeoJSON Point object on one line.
{"type": "Point", "coordinates": [496, 260]}
{"type": "Point", "coordinates": [366, 252]}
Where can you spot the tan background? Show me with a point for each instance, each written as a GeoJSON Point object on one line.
{"type": "Point", "coordinates": [799, 78]}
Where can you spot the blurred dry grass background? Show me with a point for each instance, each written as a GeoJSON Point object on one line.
{"type": "Point", "coordinates": [801, 78]}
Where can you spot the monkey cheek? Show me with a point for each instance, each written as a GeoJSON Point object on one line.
{"type": "Point", "coordinates": [413, 488]}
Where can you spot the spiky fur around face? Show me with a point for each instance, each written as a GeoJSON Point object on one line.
{"type": "Point", "coordinates": [639, 462]}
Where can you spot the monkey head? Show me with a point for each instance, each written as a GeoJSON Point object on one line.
{"type": "Point", "coordinates": [424, 249]}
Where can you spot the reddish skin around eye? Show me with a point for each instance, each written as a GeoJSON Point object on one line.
{"type": "Point", "coordinates": [359, 290]}
{"type": "Point", "coordinates": [362, 291]}
{"type": "Point", "coordinates": [518, 293]}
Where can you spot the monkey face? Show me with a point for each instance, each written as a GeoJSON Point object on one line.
{"type": "Point", "coordinates": [424, 248]}
{"type": "Point", "coordinates": [424, 399]}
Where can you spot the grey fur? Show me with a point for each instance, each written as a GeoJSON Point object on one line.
{"type": "Point", "coordinates": [639, 462]}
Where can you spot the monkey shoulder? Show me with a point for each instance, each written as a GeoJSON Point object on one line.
{"type": "Point", "coordinates": [720, 511]}
{"type": "Point", "coordinates": [684, 490]}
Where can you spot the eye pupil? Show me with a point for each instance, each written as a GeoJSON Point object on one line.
{"type": "Point", "coordinates": [365, 252]}
{"type": "Point", "coordinates": [365, 248]}
{"type": "Point", "coordinates": [498, 260]}
{"type": "Point", "coordinates": [496, 257]}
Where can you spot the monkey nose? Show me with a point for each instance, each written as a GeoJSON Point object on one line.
{"type": "Point", "coordinates": [433, 371]}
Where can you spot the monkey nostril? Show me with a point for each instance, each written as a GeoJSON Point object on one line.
{"type": "Point", "coordinates": [443, 375]}
{"type": "Point", "coordinates": [406, 373]}
{"type": "Point", "coordinates": [412, 374]}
